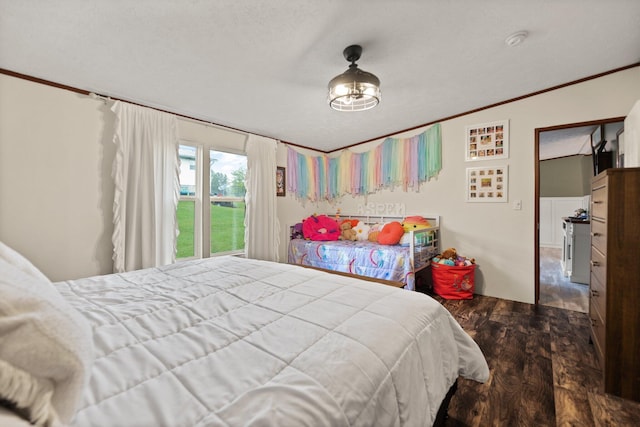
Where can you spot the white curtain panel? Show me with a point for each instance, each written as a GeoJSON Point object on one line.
{"type": "Point", "coordinates": [146, 174]}
{"type": "Point", "coordinates": [262, 229]}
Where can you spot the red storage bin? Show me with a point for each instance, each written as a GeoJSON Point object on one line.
{"type": "Point", "coordinates": [453, 282]}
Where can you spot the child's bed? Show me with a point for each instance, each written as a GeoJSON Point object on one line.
{"type": "Point", "coordinates": [397, 264]}
{"type": "Point", "coordinates": [224, 342]}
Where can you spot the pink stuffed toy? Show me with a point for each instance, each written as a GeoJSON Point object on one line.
{"type": "Point", "coordinates": [320, 227]}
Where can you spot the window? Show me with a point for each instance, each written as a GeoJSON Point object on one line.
{"type": "Point", "coordinates": [210, 211]}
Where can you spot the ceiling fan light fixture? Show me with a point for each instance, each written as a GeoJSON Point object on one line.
{"type": "Point", "coordinates": [355, 89]}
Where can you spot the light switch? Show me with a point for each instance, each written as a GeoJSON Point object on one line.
{"type": "Point", "coordinates": [517, 205]}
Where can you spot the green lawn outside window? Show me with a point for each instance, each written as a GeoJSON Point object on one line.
{"type": "Point", "coordinates": [227, 228]}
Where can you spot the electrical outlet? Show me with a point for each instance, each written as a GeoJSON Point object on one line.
{"type": "Point", "coordinates": [517, 205]}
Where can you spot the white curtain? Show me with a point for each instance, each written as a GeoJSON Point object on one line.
{"type": "Point", "coordinates": [262, 229]}
{"type": "Point", "coordinates": [147, 187]}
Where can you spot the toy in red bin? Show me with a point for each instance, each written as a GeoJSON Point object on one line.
{"type": "Point", "coordinates": [453, 275]}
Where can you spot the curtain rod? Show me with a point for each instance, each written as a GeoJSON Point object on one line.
{"type": "Point", "coordinates": [106, 98]}
{"type": "Point", "coordinates": [213, 125]}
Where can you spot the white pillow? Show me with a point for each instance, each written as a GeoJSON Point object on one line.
{"type": "Point", "coordinates": [46, 347]}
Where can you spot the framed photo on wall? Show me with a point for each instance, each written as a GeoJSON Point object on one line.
{"type": "Point", "coordinates": [487, 141]}
{"type": "Point", "coordinates": [487, 184]}
{"type": "Point", "coordinates": [281, 181]}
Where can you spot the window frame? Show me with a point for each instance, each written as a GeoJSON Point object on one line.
{"type": "Point", "coordinates": [202, 228]}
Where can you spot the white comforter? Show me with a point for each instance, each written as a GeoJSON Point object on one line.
{"type": "Point", "coordinates": [232, 342]}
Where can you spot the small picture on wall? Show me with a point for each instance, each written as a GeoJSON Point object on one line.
{"type": "Point", "coordinates": [280, 182]}
{"type": "Point", "coordinates": [488, 184]}
{"type": "Point", "coordinates": [487, 141]}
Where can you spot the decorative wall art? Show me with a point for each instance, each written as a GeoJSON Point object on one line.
{"type": "Point", "coordinates": [281, 184]}
{"type": "Point", "coordinates": [487, 184]}
{"type": "Point", "coordinates": [487, 141]}
{"type": "Point", "coordinates": [394, 163]}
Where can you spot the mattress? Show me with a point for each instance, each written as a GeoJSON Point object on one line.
{"type": "Point", "coordinates": [364, 258]}
{"type": "Point", "coordinates": [229, 341]}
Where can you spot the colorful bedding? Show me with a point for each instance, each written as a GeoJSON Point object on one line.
{"type": "Point", "coordinates": [364, 258]}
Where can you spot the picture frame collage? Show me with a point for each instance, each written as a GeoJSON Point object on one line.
{"type": "Point", "coordinates": [487, 184]}
{"type": "Point", "coordinates": [487, 141]}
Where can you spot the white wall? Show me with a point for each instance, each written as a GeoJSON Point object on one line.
{"type": "Point", "coordinates": [632, 137]}
{"type": "Point", "coordinates": [553, 210]}
{"type": "Point", "coordinates": [499, 237]}
{"type": "Point", "coordinates": [56, 191]}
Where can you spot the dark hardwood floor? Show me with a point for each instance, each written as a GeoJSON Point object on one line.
{"type": "Point", "coordinates": [543, 369]}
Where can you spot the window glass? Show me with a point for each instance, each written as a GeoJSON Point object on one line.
{"type": "Point", "coordinates": [227, 176]}
{"type": "Point", "coordinates": [186, 212]}
{"type": "Point", "coordinates": [186, 225]}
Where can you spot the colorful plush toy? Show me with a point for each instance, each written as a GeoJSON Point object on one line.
{"type": "Point", "coordinates": [415, 223]}
{"type": "Point", "coordinates": [450, 257]}
{"type": "Point", "coordinates": [374, 231]}
{"type": "Point", "coordinates": [320, 227]}
{"type": "Point", "coordinates": [296, 231]}
{"type": "Point", "coordinates": [362, 231]}
{"type": "Point", "coordinates": [353, 222]}
{"type": "Point", "coordinates": [391, 233]}
{"type": "Point", "coordinates": [412, 223]}
{"type": "Point", "coordinates": [449, 253]}
{"type": "Point", "coordinates": [346, 231]}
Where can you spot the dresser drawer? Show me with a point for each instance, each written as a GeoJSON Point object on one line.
{"type": "Point", "coordinates": [598, 336]}
{"type": "Point", "coordinates": [598, 298]}
{"type": "Point", "coordinates": [599, 201]}
{"type": "Point", "coordinates": [598, 265]}
{"type": "Point", "coordinates": [599, 235]}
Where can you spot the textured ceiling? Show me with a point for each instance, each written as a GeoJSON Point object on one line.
{"type": "Point", "coordinates": [263, 66]}
{"type": "Point", "coordinates": [565, 142]}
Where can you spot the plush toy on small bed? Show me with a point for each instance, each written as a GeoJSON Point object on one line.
{"type": "Point", "coordinates": [362, 231]}
{"type": "Point", "coordinates": [296, 231]}
{"type": "Point", "coordinates": [374, 231]}
{"type": "Point", "coordinates": [391, 233]}
{"type": "Point", "coordinates": [320, 227]}
{"type": "Point", "coordinates": [412, 223]}
{"type": "Point", "coordinates": [346, 231]}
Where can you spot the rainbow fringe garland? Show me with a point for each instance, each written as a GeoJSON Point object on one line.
{"type": "Point", "coordinates": [404, 162]}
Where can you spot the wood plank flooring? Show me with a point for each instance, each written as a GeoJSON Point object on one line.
{"type": "Point", "coordinates": [543, 369]}
{"type": "Point", "coordinates": [556, 290]}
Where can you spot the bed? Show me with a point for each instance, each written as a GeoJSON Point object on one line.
{"type": "Point", "coordinates": [398, 265]}
{"type": "Point", "coordinates": [225, 341]}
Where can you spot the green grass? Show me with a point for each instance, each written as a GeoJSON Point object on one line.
{"type": "Point", "coordinates": [227, 228]}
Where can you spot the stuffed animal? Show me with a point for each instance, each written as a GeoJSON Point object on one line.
{"type": "Point", "coordinates": [447, 257]}
{"type": "Point", "coordinates": [347, 232]}
{"type": "Point", "coordinates": [412, 223]}
{"type": "Point", "coordinates": [320, 227]}
{"type": "Point", "coordinates": [391, 233]}
{"type": "Point", "coordinates": [374, 231]}
{"type": "Point", "coordinates": [415, 223]}
{"type": "Point", "coordinates": [362, 231]}
{"type": "Point", "coordinates": [450, 257]}
{"type": "Point", "coordinates": [353, 222]}
{"type": "Point", "coordinates": [296, 231]}
{"type": "Point", "coordinates": [450, 253]}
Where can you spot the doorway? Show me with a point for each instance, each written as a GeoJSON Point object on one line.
{"type": "Point", "coordinates": [567, 148]}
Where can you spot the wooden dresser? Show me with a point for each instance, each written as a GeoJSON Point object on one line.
{"type": "Point", "coordinates": [614, 303]}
